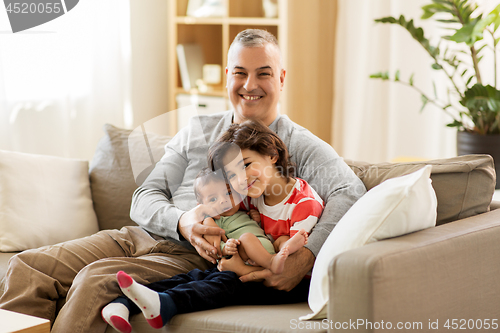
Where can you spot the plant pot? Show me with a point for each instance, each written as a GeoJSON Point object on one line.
{"type": "Point", "coordinates": [472, 143]}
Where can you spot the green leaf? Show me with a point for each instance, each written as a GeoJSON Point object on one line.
{"type": "Point", "coordinates": [380, 75]}
{"type": "Point", "coordinates": [388, 19]}
{"type": "Point", "coordinates": [437, 66]}
{"type": "Point", "coordinates": [435, 90]}
{"type": "Point", "coordinates": [411, 79]}
{"type": "Point", "coordinates": [463, 73]}
{"type": "Point", "coordinates": [425, 100]}
{"type": "Point", "coordinates": [469, 80]}
{"type": "Point", "coordinates": [455, 123]}
{"type": "Point", "coordinates": [495, 17]}
{"type": "Point", "coordinates": [396, 76]}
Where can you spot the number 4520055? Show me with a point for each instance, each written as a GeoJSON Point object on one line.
{"type": "Point", "coordinates": [31, 8]}
{"type": "Point", "coordinates": [463, 324]}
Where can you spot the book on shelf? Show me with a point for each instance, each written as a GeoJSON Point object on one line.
{"type": "Point", "coordinates": [190, 58]}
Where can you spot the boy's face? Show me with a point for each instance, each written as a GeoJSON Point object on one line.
{"type": "Point", "coordinates": [218, 195]}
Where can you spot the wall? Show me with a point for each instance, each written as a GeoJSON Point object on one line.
{"type": "Point", "coordinates": [309, 78]}
{"type": "Point", "coordinates": [149, 43]}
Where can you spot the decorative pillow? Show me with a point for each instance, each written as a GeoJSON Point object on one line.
{"type": "Point", "coordinates": [112, 178]}
{"type": "Point", "coordinates": [464, 185]}
{"type": "Point", "coordinates": [44, 200]}
{"type": "Point", "coordinates": [396, 207]}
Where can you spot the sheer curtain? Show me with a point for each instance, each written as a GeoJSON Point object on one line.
{"type": "Point", "coordinates": [61, 81]}
{"type": "Point", "coordinates": [376, 120]}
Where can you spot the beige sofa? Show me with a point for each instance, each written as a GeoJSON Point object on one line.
{"type": "Point", "coordinates": [446, 274]}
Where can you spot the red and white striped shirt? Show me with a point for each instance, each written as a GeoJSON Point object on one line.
{"type": "Point", "coordinates": [301, 209]}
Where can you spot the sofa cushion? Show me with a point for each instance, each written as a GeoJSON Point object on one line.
{"type": "Point", "coordinates": [113, 175]}
{"type": "Point", "coordinates": [44, 200]}
{"type": "Point", "coordinates": [242, 318]}
{"type": "Point", "coordinates": [396, 207]}
{"type": "Point", "coordinates": [464, 185]}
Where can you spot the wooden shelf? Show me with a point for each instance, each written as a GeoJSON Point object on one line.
{"type": "Point", "coordinates": [227, 20]}
{"type": "Point", "coordinates": [216, 92]}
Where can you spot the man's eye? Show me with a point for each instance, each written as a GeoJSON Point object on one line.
{"type": "Point", "coordinates": [239, 73]}
{"type": "Point", "coordinates": [265, 74]}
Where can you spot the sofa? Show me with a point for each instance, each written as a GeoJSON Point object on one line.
{"type": "Point", "coordinates": [437, 278]}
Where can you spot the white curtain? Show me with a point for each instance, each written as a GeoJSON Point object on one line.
{"type": "Point", "coordinates": [61, 81]}
{"type": "Point", "coordinates": [376, 120]}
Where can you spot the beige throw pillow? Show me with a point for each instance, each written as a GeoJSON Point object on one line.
{"type": "Point", "coordinates": [44, 200]}
{"type": "Point", "coordinates": [112, 176]}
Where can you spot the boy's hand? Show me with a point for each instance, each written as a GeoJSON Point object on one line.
{"type": "Point", "coordinates": [254, 214]}
{"type": "Point", "coordinates": [231, 247]}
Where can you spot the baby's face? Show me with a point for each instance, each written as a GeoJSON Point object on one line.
{"type": "Point", "coordinates": [218, 195]}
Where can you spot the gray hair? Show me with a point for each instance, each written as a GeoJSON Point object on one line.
{"type": "Point", "coordinates": [254, 38]}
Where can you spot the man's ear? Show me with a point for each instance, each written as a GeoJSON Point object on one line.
{"type": "Point", "coordinates": [282, 78]}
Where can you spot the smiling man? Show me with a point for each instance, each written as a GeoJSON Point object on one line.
{"type": "Point", "coordinates": [168, 240]}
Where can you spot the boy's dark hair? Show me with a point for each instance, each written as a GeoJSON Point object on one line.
{"type": "Point", "coordinates": [204, 177]}
{"type": "Point", "coordinates": [253, 135]}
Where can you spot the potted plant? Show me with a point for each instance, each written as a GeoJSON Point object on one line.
{"type": "Point", "coordinates": [473, 105]}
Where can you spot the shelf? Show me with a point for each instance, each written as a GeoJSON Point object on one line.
{"type": "Point", "coordinates": [199, 20]}
{"type": "Point", "coordinates": [227, 20]}
{"type": "Point", "coordinates": [253, 21]}
{"type": "Point", "coordinates": [217, 92]}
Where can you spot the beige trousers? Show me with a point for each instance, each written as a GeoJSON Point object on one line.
{"type": "Point", "coordinates": [83, 272]}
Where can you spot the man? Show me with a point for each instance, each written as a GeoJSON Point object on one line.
{"type": "Point", "coordinates": [83, 271]}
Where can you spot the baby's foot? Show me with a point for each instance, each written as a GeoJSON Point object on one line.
{"type": "Point", "coordinates": [116, 315]}
{"type": "Point", "coordinates": [278, 260]}
{"type": "Point", "coordinates": [297, 241]}
{"type": "Point", "coordinates": [146, 299]}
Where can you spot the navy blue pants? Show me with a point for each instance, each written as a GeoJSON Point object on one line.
{"type": "Point", "coordinates": [203, 290]}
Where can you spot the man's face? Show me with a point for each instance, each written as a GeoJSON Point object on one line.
{"type": "Point", "coordinates": [254, 81]}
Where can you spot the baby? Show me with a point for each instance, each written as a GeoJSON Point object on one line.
{"type": "Point", "coordinates": [243, 235]}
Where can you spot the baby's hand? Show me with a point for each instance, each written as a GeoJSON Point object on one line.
{"type": "Point", "coordinates": [231, 247]}
{"type": "Point", "coordinates": [255, 215]}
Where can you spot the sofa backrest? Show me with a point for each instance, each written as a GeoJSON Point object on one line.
{"type": "Point", "coordinates": [464, 185]}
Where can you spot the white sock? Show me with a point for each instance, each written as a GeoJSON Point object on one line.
{"type": "Point", "coordinates": [116, 315]}
{"type": "Point", "coordinates": [146, 299]}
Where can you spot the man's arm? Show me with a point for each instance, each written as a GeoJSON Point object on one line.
{"type": "Point", "coordinates": [154, 209]}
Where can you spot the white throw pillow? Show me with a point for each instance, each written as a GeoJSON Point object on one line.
{"type": "Point", "coordinates": [395, 207]}
{"type": "Point", "coordinates": [44, 200]}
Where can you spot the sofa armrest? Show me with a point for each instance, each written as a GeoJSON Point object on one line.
{"type": "Point", "coordinates": [447, 272]}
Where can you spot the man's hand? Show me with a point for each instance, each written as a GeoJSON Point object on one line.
{"type": "Point", "coordinates": [192, 229]}
{"type": "Point", "coordinates": [297, 265]}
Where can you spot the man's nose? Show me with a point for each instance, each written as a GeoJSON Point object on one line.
{"type": "Point", "coordinates": [251, 83]}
